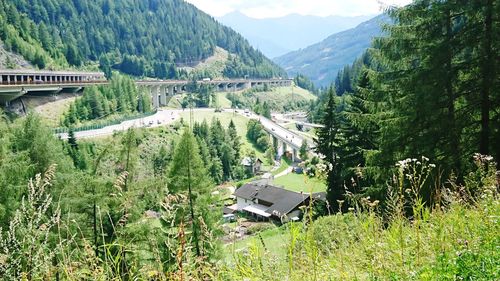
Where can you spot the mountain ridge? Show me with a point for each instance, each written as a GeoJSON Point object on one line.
{"type": "Point", "coordinates": [321, 61]}
{"type": "Point", "coordinates": [277, 36]}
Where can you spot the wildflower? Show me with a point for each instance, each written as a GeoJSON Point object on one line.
{"type": "Point", "coordinates": [432, 165]}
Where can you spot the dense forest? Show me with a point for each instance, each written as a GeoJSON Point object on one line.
{"type": "Point", "coordinates": [140, 38]}
{"type": "Point", "coordinates": [220, 150]}
{"type": "Point", "coordinates": [121, 96]}
{"type": "Point", "coordinates": [430, 88]}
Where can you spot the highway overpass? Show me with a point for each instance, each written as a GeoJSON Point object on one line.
{"type": "Point", "coordinates": [16, 83]}
{"type": "Point", "coordinates": [282, 138]}
{"type": "Point", "coordinates": [162, 90]}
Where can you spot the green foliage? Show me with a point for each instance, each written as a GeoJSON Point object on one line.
{"type": "Point", "coordinates": [303, 151]}
{"type": "Point", "coordinates": [427, 88]}
{"type": "Point", "coordinates": [203, 94]}
{"type": "Point", "coordinates": [121, 97]}
{"type": "Point", "coordinates": [114, 219]}
{"type": "Point", "coordinates": [188, 164]}
{"type": "Point", "coordinates": [304, 82]}
{"type": "Point", "coordinates": [328, 142]}
{"type": "Point", "coordinates": [451, 241]}
{"type": "Point", "coordinates": [25, 247]}
{"type": "Point", "coordinates": [220, 150]}
{"type": "Point", "coordinates": [262, 101]}
{"type": "Point", "coordinates": [148, 38]}
{"type": "Point", "coordinates": [257, 135]}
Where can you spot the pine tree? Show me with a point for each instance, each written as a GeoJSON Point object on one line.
{"type": "Point", "coordinates": [235, 141]}
{"type": "Point", "coordinates": [327, 144]}
{"type": "Point", "coordinates": [303, 151]}
{"type": "Point", "coordinates": [359, 129]}
{"type": "Point", "coordinates": [188, 175]}
{"type": "Point", "coordinates": [422, 80]}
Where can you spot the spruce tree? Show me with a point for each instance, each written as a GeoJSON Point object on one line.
{"type": "Point", "coordinates": [235, 141]}
{"type": "Point", "coordinates": [327, 145]}
{"type": "Point", "coordinates": [359, 129]}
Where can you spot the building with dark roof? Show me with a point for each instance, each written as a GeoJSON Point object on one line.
{"type": "Point", "coordinates": [264, 201]}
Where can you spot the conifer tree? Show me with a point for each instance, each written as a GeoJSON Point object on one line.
{"type": "Point", "coordinates": [359, 129]}
{"type": "Point", "coordinates": [327, 144]}
{"type": "Point", "coordinates": [188, 175]}
{"type": "Point", "coordinates": [235, 140]}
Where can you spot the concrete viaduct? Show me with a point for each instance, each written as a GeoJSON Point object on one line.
{"type": "Point", "coordinates": [162, 90]}
{"type": "Point", "coordinates": [282, 138]}
{"type": "Point", "coordinates": [16, 83]}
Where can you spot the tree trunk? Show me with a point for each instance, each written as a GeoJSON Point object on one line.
{"type": "Point", "coordinates": [486, 73]}
{"type": "Point", "coordinates": [454, 135]}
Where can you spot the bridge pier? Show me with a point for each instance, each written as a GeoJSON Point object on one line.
{"type": "Point", "coordinates": [154, 96]}
{"type": "Point", "coordinates": [163, 96]}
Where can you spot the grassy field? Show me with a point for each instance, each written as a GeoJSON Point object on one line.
{"type": "Point", "coordinates": [277, 98]}
{"type": "Point", "coordinates": [300, 182]}
{"type": "Point", "coordinates": [221, 100]}
{"type": "Point", "coordinates": [274, 242]}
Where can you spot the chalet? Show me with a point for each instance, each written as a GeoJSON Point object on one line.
{"type": "Point", "coordinates": [264, 202]}
{"type": "Point", "coordinates": [252, 166]}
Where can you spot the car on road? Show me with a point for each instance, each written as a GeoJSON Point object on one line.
{"type": "Point", "coordinates": [229, 218]}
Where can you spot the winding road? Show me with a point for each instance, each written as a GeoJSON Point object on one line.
{"type": "Point", "coordinates": [168, 116]}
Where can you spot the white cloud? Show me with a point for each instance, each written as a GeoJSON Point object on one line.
{"type": "Point", "coordinates": [277, 8]}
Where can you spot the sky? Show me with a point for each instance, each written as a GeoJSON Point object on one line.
{"type": "Point", "coordinates": [279, 8]}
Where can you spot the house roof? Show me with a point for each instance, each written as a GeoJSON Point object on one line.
{"type": "Point", "coordinates": [247, 161]}
{"type": "Point", "coordinates": [282, 201]}
{"type": "Point", "coordinates": [259, 210]}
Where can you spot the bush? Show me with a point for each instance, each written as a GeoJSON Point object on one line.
{"type": "Point", "coordinates": [259, 227]}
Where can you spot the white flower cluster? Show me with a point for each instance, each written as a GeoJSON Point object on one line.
{"type": "Point", "coordinates": [403, 164]}
{"type": "Point", "coordinates": [478, 157]}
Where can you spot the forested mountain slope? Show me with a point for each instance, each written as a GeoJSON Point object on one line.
{"type": "Point", "coordinates": [138, 37]}
{"type": "Point", "coordinates": [323, 60]}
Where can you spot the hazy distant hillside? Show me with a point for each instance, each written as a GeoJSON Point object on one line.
{"type": "Point", "coordinates": [323, 60]}
{"type": "Point", "coordinates": [138, 37]}
{"type": "Point", "coordinates": [277, 36]}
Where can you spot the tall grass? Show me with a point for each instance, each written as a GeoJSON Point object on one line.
{"type": "Point", "coordinates": [455, 238]}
